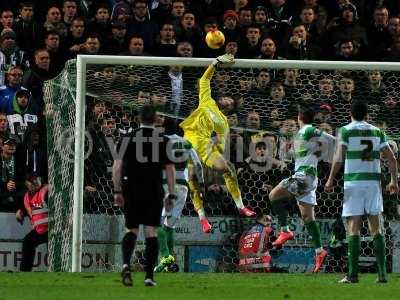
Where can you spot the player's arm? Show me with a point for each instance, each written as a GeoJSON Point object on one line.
{"type": "Point", "coordinates": [388, 155]}
{"type": "Point", "coordinates": [205, 80]}
{"type": "Point", "coordinates": [337, 163]}
{"type": "Point", "coordinates": [171, 175]}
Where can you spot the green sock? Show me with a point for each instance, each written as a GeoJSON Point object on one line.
{"type": "Point", "coordinates": [313, 230]}
{"type": "Point", "coordinates": [170, 239]}
{"type": "Point", "coordinates": [379, 248]}
{"type": "Point", "coordinates": [354, 253]}
{"type": "Point", "coordinates": [162, 242]}
{"type": "Point", "coordinates": [280, 210]}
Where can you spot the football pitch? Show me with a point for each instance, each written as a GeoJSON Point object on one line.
{"type": "Point", "coordinates": [190, 286]}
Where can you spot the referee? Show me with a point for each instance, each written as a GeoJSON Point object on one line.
{"type": "Point", "coordinates": [138, 188]}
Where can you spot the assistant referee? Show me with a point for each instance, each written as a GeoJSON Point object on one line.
{"type": "Point", "coordinates": [138, 188]}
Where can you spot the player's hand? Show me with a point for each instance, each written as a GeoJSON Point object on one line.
{"type": "Point", "coordinates": [393, 188]}
{"type": "Point", "coordinates": [225, 61]}
{"type": "Point", "coordinates": [329, 185]}
{"type": "Point", "coordinates": [119, 200]}
{"type": "Point", "coordinates": [169, 202]}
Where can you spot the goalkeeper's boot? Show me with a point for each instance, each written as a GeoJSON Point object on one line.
{"type": "Point", "coordinates": [247, 212]}
{"type": "Point", "coordinates": [348, 279]}
{"type": "Point", "coordinates": [205, 225]}
{"type": "Point", "coordinates": [126, 276]}
{"type": "Point", "coordinates": [283, 237]}
{"type": "Point", "coordinates": [149, 282]}
{"type": "Point", "coordinates": [319, 260]}
{"type": "Point", "coordinates": [165, 262]}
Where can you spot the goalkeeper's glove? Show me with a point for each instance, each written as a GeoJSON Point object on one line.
{"type": "Point", "coordinates": [224, 61]}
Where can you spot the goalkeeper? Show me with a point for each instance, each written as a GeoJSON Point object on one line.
{"type": "Point", "coordinates": [207, 129]}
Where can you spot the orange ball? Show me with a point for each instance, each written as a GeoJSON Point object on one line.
{"type": "Point", "coordinates": [215, 39]}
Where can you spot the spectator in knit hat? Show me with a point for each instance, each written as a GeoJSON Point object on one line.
{"type": "Point", "coordinates": [122, 11]}
{"type": "Point", "coordinates": [21, 113]}
{"type": "Point", "coordinates": [231, 27]}
{"type": "Point", "coordinates": [10, 54]}
{"type": "Point", "coordinates": [346, 27]}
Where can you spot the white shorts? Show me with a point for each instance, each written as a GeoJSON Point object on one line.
{"type": "Point", "coordinates": [170, 218]}
{"type": "Point", "coordinates": [302, 187]}
{"type": "Point", "coordinates": [362, 200]}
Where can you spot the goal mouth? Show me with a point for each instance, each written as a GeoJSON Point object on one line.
{"type": "Point", "coordinates": [94, 102]}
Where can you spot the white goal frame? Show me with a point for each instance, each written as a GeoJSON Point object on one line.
{"type": "Point", "coordinates": [79, 134]}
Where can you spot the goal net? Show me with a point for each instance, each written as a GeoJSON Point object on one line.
{"type": "Point", "coordinates": [266, 95]}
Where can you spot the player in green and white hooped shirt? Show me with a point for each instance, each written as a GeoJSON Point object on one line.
{"type": "Point", "coordinates": [181, 150]}
{"type": "Point", "coordinates": [360, 147]}
{"type": "Point", "coordinates": [309, 144]}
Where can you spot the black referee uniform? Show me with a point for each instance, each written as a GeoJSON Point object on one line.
{"type": "Point", "coordinates": [141, 182]}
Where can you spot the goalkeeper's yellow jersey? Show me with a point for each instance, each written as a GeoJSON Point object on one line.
{"type": "Point", "coordinates": [200, 125]}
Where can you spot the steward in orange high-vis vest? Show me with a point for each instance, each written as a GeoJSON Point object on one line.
{"type": "Point", "coordinates": [35, 203]}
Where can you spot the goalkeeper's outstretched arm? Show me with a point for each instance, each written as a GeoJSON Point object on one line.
{"type": "Point", "coordinates": [204, 84]}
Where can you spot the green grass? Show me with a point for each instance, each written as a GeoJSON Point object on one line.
{"type": "Point", "coordinates": [190, 286]}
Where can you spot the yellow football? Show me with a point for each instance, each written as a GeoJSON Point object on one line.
{"type": "Point", "coordinates": [215, 39]}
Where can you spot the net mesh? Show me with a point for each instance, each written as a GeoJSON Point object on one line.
{"type": "Point", "coordinates": [266, 102]}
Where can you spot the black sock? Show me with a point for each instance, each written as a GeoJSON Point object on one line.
{"type": "Point", "coordinates": [128, 245]}
{"type": "Point", "coordinates": [150, 254]}
{"type": "Point", "coordinates": [279, 208]}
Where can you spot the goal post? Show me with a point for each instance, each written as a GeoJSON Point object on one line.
{"type": "Point", "coordinates": [83, 64]}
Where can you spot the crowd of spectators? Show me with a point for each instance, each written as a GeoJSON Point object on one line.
{"type": "Point", "coordinates": [38, 37]}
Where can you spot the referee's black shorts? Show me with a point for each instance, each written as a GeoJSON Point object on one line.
{"type": "Point", "coordinates": [143, 206]}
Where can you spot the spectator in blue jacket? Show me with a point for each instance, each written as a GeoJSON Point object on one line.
{"type": "Point", "coordinates": [13, 84]}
